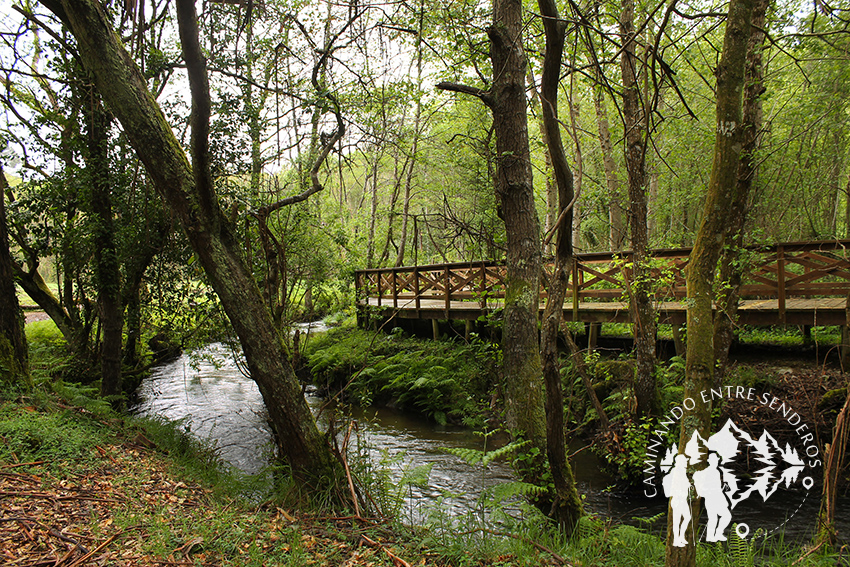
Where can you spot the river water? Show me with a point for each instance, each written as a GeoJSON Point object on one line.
{"type": "Point", "coordinates": [214, 400]}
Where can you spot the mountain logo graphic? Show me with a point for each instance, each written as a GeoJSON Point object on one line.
{"type": "Point", "coordinates": [725, 470]}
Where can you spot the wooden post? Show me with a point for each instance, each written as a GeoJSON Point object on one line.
{"type": "Point", "coordinates": [844, 351]}
{"type": "Point", "coordinates": [482, 289]}
{"type": "Point", "coordinates": [447, 290]}
{"type": "Point", "coordinates": [593, 336]}
{"type": "Point", "coordinates": [379, 288]}
{"type": "Point", "coordinates": [395, 289]}
{"type": "Point", "coordinates": [435, 329]}
{"type": "Point", "coordinates": [357, 285]}
{"type": "Point", "coordinates": [575, 288]}
{"type": "Point", "coordinates": [416, 291]}
{"type": "Point", "coordinates": [780, 282]}
{"type": "Point", "coordinates": [467, 328]}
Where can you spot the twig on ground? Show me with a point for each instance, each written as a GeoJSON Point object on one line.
{"type": "Point", "coordinates": [99, 548]}
{"type": "Point", "coordinates": [56, 533]}
{"type": "Point", "coordinates": [809, 552]}
{"type": "Point", "coordinates": [16, 465]}
{"type": "Point", "coordinates": [397, 561]}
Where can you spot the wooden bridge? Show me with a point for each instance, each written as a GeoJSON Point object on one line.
{"type": "Point", "coordinates": [796, 283]}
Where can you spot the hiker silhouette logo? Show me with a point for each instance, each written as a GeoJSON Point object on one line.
{"type": "Point", "coordinates": [728, 468]}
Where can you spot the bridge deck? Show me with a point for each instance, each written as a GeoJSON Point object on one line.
{"type": "Point", "coordinates": [822, 311]}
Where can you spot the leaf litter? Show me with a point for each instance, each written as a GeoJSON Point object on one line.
{"type": "Point", "coordinates": [129, 511]}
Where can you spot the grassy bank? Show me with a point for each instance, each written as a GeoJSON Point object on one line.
{"type": "Point", "coordinates": [82, 488]}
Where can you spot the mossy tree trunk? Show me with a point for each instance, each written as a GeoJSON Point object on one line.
{"type": "Point", "coordinates": [514, 188]}
{"type": "Point", "coordinates": [732, 260]}
{"type": "Point", "coordinates": [525, 414]}
{"type": "Point", "coordinates": [107, 273]}
{"type": "Point", "coordinates": [699, 370]}
{"type": "Point", "coordinates": [14, 364]}
{"type": "Point", "coordinates": [641, 309]}
{"type": "Point", "coordinates": [189, 192]}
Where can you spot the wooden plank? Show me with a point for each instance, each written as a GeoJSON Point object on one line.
{"type": "Point", "coordinates": [599, 277]}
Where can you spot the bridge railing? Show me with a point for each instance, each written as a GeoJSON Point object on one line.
{"type": "Point", "coordinates": [779, 271]}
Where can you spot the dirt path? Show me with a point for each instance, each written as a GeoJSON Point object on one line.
{"type": "Point", "coordinates": [32, 316]}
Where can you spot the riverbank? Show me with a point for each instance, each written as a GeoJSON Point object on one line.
{"type": "Point", "coordinates": [82, 485]}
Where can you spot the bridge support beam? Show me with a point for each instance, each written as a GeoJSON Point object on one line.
{"type": "Point", "coordinates": [592, 329]}
{"type": "Point", "coordinates": [677, 339]}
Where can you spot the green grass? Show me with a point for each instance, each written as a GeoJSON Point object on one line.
{"type": "Point", "coordinates": [62, 437]}
{"type": "Point", "coordinates": [791, 336]}
{"type": "Point", "coordinates": [25, 301]}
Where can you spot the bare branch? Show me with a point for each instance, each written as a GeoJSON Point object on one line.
{"type": "Point", "coordinates": [484, 96]}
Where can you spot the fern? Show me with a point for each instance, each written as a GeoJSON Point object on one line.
{"type": "Point", "coordinates": [503, 451]}
{"type": "Point", "coordinates": [589, 527]}
{"type": "Point", "coordinates": [471, 457]}
{"type": "Point", "coordinates": [743, 552]}
{"type": "Point", "coordinates": [505, 491]}
{"type": "Point", "coordinates": [417, 476]}
{"type": "Point", "coordinates": [474, 457]}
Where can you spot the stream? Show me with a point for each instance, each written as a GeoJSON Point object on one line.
{"type": "Point", "coordinates": [212, 398]}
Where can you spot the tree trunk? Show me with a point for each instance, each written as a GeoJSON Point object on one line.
{"type": "Point", "coordinates": [567, 508]}
{"type": "Point", "coordinates": [107, 274]}
{"type": "Point", "coordinates": [14, 364]}
{"type": "Point", "coordinates": [190, 195]}
{"type": "Point", "coordinates": [834, 462]}
{"type": "Point", "coordinates": [521, 363]}
{"type": "Point", "coordinates": [36, 288]}
{"type": "Point", "coordinates": [732, 259]}
{"type": "Point", "coordinates": [152, 244]}
{"type": "Point", "coordinates": [414, 150]}
{"type": "Point", "coordinates": [640, 285]}
{"type": "Point", "coordinates": [525, 414]}
{"type": "Point", "coordinates": [552, 210]}
{"type": "Point", "coordinates": [847, 208]}
{"type": "Point", "coordinates": [616, 229]}
{"type": "Point", "coordinates": [373, 219]}
{"type": "Point", "coordinates": [578, 179]}
{"type": "Point", "coordinates": [699, 371]}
